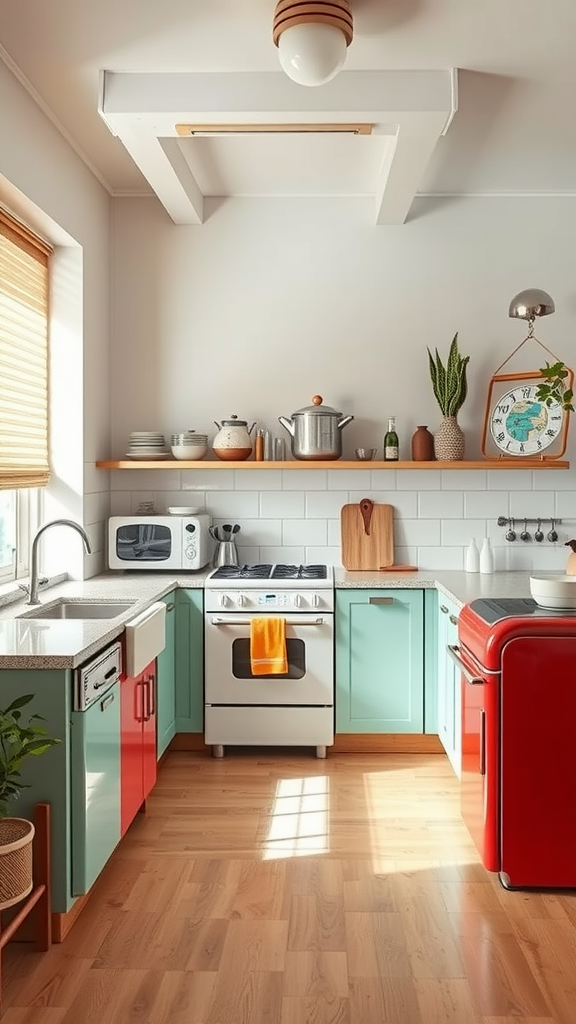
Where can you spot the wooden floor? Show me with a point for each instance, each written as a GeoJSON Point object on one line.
{"type": "Point", "coordinates": [278, 889]}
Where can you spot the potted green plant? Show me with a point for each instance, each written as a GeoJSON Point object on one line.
{"type": "Point", "coordinates": [554, 387]}
{"type": "Point", "coordinates": [19, 740]}
{"type": "Point", "coordinates": [450, 389]}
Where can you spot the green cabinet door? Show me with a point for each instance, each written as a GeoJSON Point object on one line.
{"type": "Point", "coordinates": [189, 661]}
{"type": "Point", "coordinates": [166, 680]}
{"type": "Point", "coordinates": [379, 661]}
{"type": "Point", "coordinates": [95, 790]}
{"type": "Point", "coordinates": [448, 682]}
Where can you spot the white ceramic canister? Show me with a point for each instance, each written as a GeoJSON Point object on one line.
{"type": "Point", "coordinates": [233, 441]}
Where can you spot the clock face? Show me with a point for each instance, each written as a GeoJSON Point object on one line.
{"type": "Point", "coordinates": [520, 424]}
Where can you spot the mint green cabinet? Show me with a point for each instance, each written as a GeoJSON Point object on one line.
{"type": "Point", "coordinates": [190, 661]}
{"type": "Point", "coordinates": [166, 680]}
{"type": "Point", "coordinates": [448, 683]}
{"type": "Point", "coordinates": [95, 794]}
{"type": "Point", "coordinates": [379, 661]}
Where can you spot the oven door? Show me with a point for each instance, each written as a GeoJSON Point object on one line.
{"type": "Point", "coordinates": [309, 646]}
{"type": "Point", "coordinates": [479, 790]}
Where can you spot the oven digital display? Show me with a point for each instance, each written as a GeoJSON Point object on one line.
{"type": "Point", "coordinates": [271, 600]}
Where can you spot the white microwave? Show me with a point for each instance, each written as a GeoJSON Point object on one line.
{"type": "Point", "coordinates": [159, 542]}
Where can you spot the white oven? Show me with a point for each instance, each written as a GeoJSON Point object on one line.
{"type": "Point", "coordinates": [293, 709]}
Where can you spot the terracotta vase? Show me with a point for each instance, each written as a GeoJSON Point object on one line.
{"type": "Point", "coordinates": [449, 442]}
{"type": "Point", "coordinates": [422, 445]}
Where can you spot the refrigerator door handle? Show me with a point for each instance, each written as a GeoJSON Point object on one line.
{"type": "Point", "coordinates": [482, 742]}
{"type": "Point", "coordinates": [454, 652]}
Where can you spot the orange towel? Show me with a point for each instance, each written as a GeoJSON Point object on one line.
{"type": "Point", "coordinates": [268, 647]}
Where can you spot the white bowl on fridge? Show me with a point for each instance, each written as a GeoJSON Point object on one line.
{"type": "Point", "coordinates": [556, 592]}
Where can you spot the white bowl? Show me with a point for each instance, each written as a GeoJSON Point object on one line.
{"type": "Point", "coordinates": [183, 510]}
{"type": "Point", "coordinates": [192, 452]}
{"type": "Point", "coordinates": [554, 591]}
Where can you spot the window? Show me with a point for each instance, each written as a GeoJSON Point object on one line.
{"type": "Point", "coordinates": [19, 520]}
{"type": "Point", "coordinates": [23, 357]}
{"type": "Point", "coordinates": [24, 290]}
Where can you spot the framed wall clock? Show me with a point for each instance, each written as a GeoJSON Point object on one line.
{"type": "Point", "coordinates": [517, 424]}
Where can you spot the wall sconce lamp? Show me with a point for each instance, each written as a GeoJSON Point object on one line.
{"type": "Point", "coordinates": [312, 38]}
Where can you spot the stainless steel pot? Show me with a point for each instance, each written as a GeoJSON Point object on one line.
{"type": "Point", "coordinates": [316, 431]}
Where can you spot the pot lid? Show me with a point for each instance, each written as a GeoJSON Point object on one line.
{"type": "Point", "coordinates": [317, 409]}
{"type": "Point", "coordinates": [234, 422]}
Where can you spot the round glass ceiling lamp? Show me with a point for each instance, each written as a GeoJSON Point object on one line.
{"type": "Point", "coordinates": [312, 38]}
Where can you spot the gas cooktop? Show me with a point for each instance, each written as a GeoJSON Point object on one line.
{"type": "Point", "coordinates": [282, 575]}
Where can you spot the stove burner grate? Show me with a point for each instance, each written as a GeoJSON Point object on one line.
{"type": "Point", "coordinates": [238, 572]}
{"type": "Point", "coordinates": [267, 572]}
{"type": "Point", "coordinates": [299, 572]}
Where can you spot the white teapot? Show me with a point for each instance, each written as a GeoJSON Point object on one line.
{"type": "Point", "coordinates": [233, 439]}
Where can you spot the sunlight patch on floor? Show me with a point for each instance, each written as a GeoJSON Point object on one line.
{"type": "Point", "coordinates": [299, 823]}
{"type": "Point", "coordinates": [409, 830]}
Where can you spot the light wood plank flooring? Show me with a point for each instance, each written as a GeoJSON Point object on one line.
{"type": "Point", "coordinates": [272, 888]}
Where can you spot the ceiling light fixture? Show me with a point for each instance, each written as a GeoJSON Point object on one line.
{"type": "Point", "coordinates": [312, 38]}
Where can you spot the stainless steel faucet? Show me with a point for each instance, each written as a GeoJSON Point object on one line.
{"type": "Point", "coordinates": [33, 597]}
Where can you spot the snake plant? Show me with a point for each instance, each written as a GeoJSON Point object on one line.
{"type": "Point", "coordinates": [449, 382]}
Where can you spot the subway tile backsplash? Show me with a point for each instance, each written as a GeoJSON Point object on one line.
{"type": "Point", "coordinates": [294, 515]}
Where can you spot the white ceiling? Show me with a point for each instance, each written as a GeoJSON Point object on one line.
{"type": "Point", "coordinates": [513, 131]}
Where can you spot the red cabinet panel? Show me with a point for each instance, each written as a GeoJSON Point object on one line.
{"type": "Point", "coordinates": [138, 742]}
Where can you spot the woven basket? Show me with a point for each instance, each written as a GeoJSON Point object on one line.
{"type": "Point", "coordinates": [16, 835]}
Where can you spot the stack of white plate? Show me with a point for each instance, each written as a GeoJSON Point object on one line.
{"type": "Point", "coordinates": [147, 445]}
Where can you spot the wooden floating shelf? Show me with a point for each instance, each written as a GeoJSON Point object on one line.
{"type": "Point", "coordinates": [518, 463]}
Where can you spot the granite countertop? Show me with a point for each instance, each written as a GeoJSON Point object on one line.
{"type": "Point", "coordinates": [61, 644]}
{"type": "Point", "coordinates": [461, 587]}
{"type": "Point", "coordinates": [67, 643]}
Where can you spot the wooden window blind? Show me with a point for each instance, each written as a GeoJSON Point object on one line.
{"type": "Point", "coordinates": [24, 265]}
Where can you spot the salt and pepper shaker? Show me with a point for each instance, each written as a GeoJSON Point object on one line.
{"type": "Point", "coordinates": [268, 446]}
{"type": "Point", "coordinates": [259, 446]}
{"type": "Point", "coordinates": [486, 557]}
{"type": "Point", "coordinates": [279, 449]}
{"type": "Point", "coordinates": [472, 557]}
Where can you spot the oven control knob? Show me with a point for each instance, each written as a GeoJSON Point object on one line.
{"type": "Point", "coordinates": [223, 601]}
{"type": "Point", "coordinates": [296, 600]}
{"type": "Point", "coordinates": [240, 600]}
{"type": "Point", "coordinates": [315, 601]}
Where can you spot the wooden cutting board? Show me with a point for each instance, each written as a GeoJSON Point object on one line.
{"type": "Point", "coordinates": [367, 535]}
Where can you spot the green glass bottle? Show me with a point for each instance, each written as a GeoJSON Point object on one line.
{"type": "Point", "coordinates": [391, 445]}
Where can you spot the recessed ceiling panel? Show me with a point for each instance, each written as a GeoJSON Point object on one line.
{"type": "Point", "coordinates": [282, 165]}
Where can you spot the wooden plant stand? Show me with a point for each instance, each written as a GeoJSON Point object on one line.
{"type": "Point", "coordinates": [39, 898]}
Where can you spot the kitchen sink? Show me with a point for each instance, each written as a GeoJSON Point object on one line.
{"type": "Point", "coordinates": [68, 609]}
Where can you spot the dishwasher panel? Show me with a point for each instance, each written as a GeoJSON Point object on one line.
{"type": "Point", "coordinates": [95, 775]}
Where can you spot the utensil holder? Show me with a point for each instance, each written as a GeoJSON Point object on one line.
{"type": "Point", "coordinates": [226, 554]}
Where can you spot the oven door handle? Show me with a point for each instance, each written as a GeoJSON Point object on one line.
{"type": "Point", "coordinates": [220, 620]}
{"type": "Point", "coordinates": [454, 652]}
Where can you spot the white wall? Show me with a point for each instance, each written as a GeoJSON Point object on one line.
{"type": "Point", "coordinates": [271, 302]}
{"type": "Point", "coordinates": [43, 181]}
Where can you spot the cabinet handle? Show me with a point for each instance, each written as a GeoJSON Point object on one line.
{"type": "Point", "coordinates": [138, 704]}
{"type": "Point", "coordinates": [454, 620]}
{"type": "Point", "coordinates": [151, 696]}
{"type": "Point", "coordinates": [106, 702]}
{"type": "Point", "coordinates": [443, 609]}
{"type": "Point", "coordinates": [381, 600]}
{"type": "Point", "coordinates": [482, 764]}
{"type": "Point", "coordinates": [170, 606]}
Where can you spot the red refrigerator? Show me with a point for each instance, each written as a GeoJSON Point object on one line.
{"type": "Point", "coordinates": [518, 664]}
